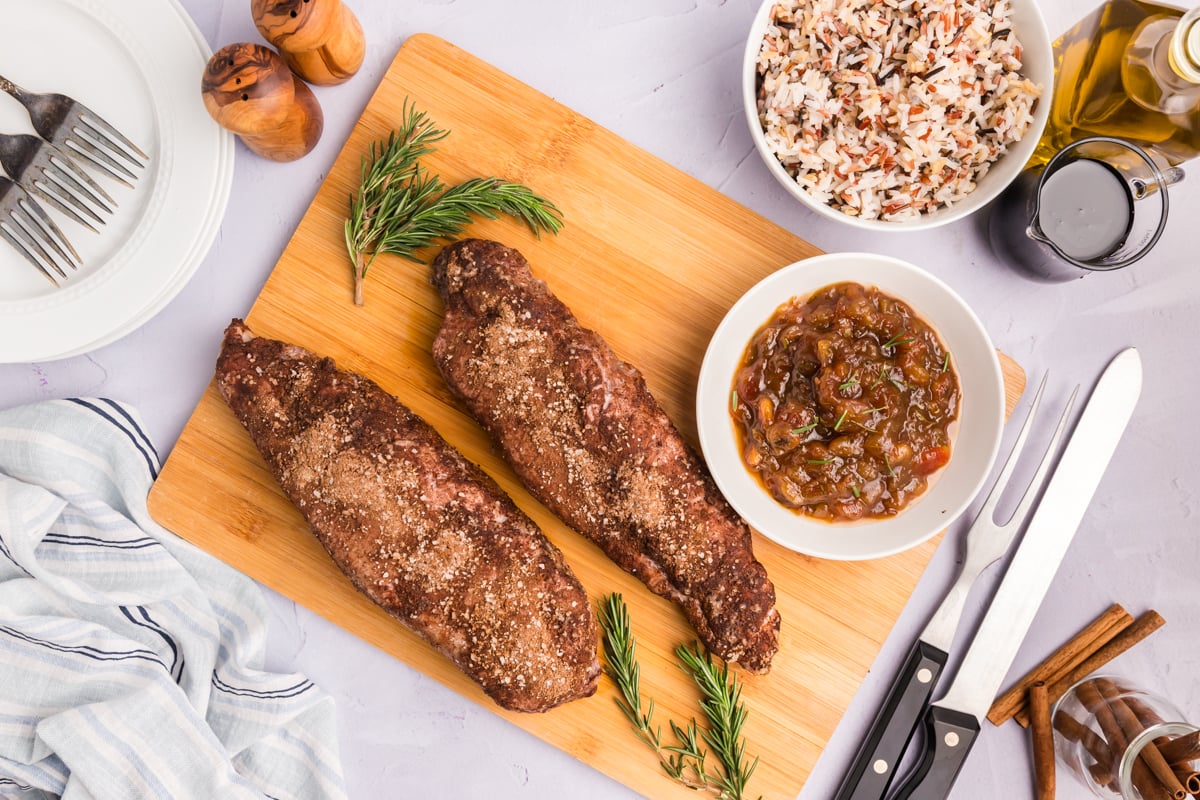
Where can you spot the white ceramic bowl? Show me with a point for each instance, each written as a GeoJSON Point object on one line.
{"type": "Point", "coordinates": [1037, 64]}
{"type": "Point", "coordinates": [973, 448]}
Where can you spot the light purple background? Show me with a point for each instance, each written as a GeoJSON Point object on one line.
{"type": "Point", "coordinates": [664, 75]}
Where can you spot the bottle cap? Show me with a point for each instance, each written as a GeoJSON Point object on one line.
{"type": "Point", "coordinates": [1185, 47]}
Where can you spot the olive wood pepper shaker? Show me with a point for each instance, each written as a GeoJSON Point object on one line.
{"type": "Point", "coordinates": [321, 40]}
{"type": "Point", "coordinates": [249, 90]}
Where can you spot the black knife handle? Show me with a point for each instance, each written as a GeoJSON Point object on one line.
{"type": "Point", "coordinates": [949, 735]}
{"type": "Point", "coordinates": [875, 765]}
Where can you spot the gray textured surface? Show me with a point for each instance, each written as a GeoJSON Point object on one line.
{"type": "Point", "coordinates": [664, 74]}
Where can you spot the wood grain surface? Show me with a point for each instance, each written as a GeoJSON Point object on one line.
{"type": "Point", "coordinates": [249, 89]}
{"type": "Point", "coordinates": [321, 40]}
{"type": "Point", "coordinates": [651, 259]}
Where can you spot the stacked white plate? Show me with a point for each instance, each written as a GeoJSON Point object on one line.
{"type": "Point", "coordinates": [138, 64]}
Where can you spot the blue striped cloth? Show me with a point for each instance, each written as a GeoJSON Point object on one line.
{"type": "Point", "coordinates": [130, 660]}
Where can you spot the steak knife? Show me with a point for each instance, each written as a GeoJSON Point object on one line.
{"type": "Point", "coordinates": [953, 722]}
{"type": "Point", "coordinates": [874, 766]}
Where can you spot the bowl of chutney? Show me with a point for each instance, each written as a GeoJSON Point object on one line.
{"type": "Point", "coordinates": [850, 406]}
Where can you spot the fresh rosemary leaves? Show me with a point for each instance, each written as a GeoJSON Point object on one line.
{"type": "Point", "coordinates": [401, 207]}
{"type": "Point", "coordinates": [620, 653]}
{"type": "Point", "coordinates": [721, 703]}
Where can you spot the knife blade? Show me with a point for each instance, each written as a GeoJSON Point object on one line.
{"type": "Point", "coordinates": [873, 768]}
{"type": "Point", "coordinates": [952, 723]}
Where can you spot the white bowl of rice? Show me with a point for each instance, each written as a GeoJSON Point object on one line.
{"type": "Point", "coordinates": [897, 114]}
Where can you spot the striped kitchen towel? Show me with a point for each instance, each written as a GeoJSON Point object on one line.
{"type": "Point", "coordinates": [131, 661]}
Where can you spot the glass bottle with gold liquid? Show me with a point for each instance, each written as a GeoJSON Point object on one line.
{"type": "Point", "coordinates": [1130, 70]}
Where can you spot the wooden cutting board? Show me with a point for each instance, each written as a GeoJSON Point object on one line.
{"type": "Point", "coordinates": [651, 259]}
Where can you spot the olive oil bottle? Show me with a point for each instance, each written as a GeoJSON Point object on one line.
{"type": "Point", "coordinates": [1130, 70]}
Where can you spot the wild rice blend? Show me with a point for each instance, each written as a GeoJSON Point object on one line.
{"type": "Point", "coordinates": [886, 109]}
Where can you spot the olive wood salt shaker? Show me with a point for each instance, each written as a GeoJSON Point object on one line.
{"type": "Point", "coordinates": [321, 40]}
{"type": "Point", "coordinates": [249, 90]}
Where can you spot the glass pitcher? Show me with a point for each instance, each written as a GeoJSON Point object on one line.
{"type": "Point", "coordinates": [1100, 204]}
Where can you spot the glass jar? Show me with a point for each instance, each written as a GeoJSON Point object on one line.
{"type": "Point", "coordinates": [1161, 67]}
{"type": "Point", "coordinates": [1123, 741]}
{"type": "Point", "coordinates": [1131, 70]}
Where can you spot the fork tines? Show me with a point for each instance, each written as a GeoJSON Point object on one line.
{"type": "Point", "coordinates": [51, 174]}
{"type": "Point", "coordinates": [25, 226]}
{"type": "Point", "coordinates": [98, 142]}
{"type": "Point", "coordinates": [71, 134]}
{"type": "Point", "coordinates": [78, 130]}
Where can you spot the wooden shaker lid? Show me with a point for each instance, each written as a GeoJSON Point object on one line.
{"type": "Point", "coordinates": [322, 40]}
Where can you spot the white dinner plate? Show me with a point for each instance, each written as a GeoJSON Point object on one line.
{"type": "Point", "coordinates": [138, 64]}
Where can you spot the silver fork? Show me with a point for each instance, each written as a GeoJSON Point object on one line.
{"type": "Point", "coordinates": [74, 127]}
{"type": "Point", "coordinates": [25, 226]}
{"type": "Point", "coordinates": [51, 174]}
{"type": "Point", "coordinates": [986, 540]}
{"type": "Point", "coordinates": [874, 766]}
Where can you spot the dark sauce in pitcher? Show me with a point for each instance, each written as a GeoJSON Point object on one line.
{"type": "Point", "coordinates": [1085, 209]}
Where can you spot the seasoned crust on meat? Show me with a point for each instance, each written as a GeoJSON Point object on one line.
{"type": "Point", "coordinates": [582, 431]}
{"type": "Point", "coordinates": [420, 530]}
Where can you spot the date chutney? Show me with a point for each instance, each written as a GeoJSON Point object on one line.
{"type": "Point", "coordinates": [844, 404]}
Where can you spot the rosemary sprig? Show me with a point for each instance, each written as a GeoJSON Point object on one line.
{"type": "Point", "coordinates": [805, 429]}
{"type": "Point", "coordinates": [684, 763]}
{"type": "Point", "coordinates": [400, 207]}
{"type": "Point", "coordinates": [721, 703]}
{"type": "Point", "coordinates": [850, 382]}
{"type": "Point", "coordinates": [837, 425]}
{"type": "Point", "coordinates": [620, 651]}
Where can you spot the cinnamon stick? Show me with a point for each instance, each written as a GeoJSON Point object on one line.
{"type": "Point", "coordinates": [1075, 731]}
{"type": "Point", "coordinates": [1114, 737]}
{"type": "Point", "coordinates": [1043, 741]}
{"type": "Point", "coordinates": [1061, 661]}
{"type": "Point", "coordinates": [1148, 785]}
{"type": "Point", "coordinates": [1182, 749]}
{"type": "Point", "coordinates": [1131, 727]}
{"type": "Point", "coordinates": [1142, 627]}
{"type": "Point", "coordinates": [1146, 715]}
{"type": "Point", "coordinates": [1102, 775]}
{"type": "Point", "coordinates": [1163, 769]}
{"type": "Point", "coordinates": [1189, 779]}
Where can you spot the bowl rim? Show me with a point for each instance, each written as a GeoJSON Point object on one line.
{"type": "Point", "coordinates": [983, 408]}
{"type": "Point", "coordinates": [1033, 22]}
